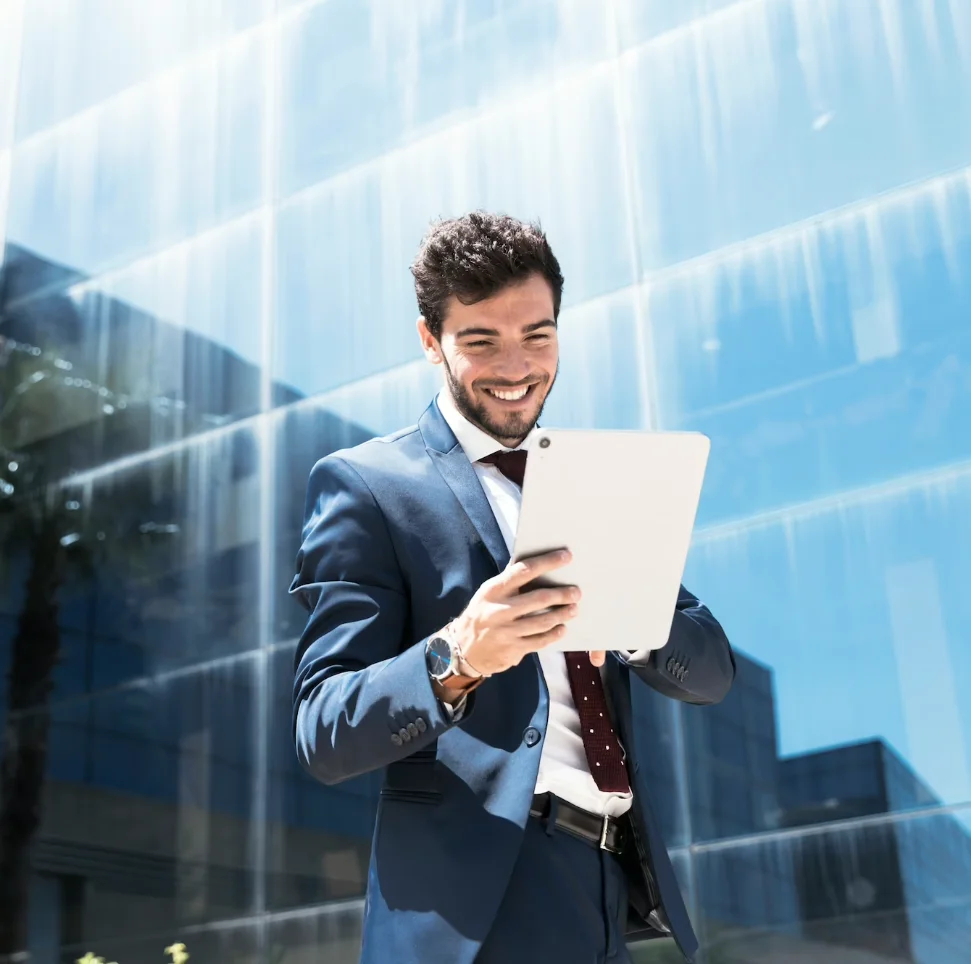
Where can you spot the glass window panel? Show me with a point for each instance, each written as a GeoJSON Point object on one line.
{"type": "Point", "coordinates": [11, 34]}
{"type": "Point", "coordinates": [871, 584]}
{"type": "Point", "coordinates": [210, 285]}
{"type": "Point", "coordinates": [850, 289]}
{"type": "Point", "coordinates": [239, 941]}
{"type": "Point", "coordinates": [174, 541]}
{"type": "Point", "coordinates": [162, 349]}
{"type": "Point", "coordinates": [139, 831]}
{"type": "Point", "coordinates": [147, 168]}
{"type": "Point", "coordinates": [825, 896]}
{"type": "Point", "coordinates": [601, 381]}
{"type": "Point", "coordinates": [383, 74]}
{"type": "Point", "coordinates": [551, 156]}
{"type": "Point", "coordinates": [319, 836]}
{"type": "Point", "coordinates": [297, 937]}
{"type": "Point", "coordinates": [775, 112]}
{"type": "Point", "coordinates": [830, 358]}
{"type": "Point", "coordinates": [4, 201]}
{"type": "Point", "coordinates": [81, 52]}
{"type": "Point", "coordinates": [643, 20]}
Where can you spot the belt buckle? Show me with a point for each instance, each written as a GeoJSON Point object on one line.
{"type": "Point", "coordinates": [603, 832]}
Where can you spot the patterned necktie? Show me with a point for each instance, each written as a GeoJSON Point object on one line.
{"type": "Point", "coordinates": [605, 757]}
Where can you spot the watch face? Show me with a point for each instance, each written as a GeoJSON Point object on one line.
{"type": "Point", "coordinates": [438, 657]}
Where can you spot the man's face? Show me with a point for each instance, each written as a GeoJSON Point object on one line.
{"type": "Point", "coordinates": [500, 357]}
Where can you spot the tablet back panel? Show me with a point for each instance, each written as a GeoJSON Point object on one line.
{"type": "Point", "coordinates": [624, 503]}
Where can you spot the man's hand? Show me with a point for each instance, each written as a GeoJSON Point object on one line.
{"type": "Point", "coordinates": [502, 623]}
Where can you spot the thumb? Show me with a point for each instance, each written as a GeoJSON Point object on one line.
{"type": "Point", "coordinates": [598, 657]}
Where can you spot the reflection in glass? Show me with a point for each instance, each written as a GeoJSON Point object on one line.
{"type": "Point", "coordinates": [776, 112]}
{"type": "Point", "coordinates": [884, 652]}
{"type": "Point", "coordinates": [11, 34]}
{"type": "Point", "coordinates": [147, 168]}
{"type": "Point", "coordinates": [891, 889]}
{"type": "Point", "coordinates": [763, 212]}
{"type": "Point", "coordinates": [79, 53]}
{"type": "Point", "coordinates": [526, 160]}
{"type": "Point", "coordinates": [403, 71]}
{"type": "Point", "coordinates": [320, 843]}
{"type": "Point", "coordinates": [148, 804]}
{"type": "Point", "coordinates": [187, 592]}
{"type": "Point", "coordinates": [825, 352]}
{"type": "Point", "coordinates": [140, 358]}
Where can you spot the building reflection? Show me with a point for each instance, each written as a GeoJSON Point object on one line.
{"type": "Point", "coordinates": [172, 803]}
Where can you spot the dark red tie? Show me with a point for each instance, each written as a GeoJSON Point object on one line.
{"type": "Point", "coordinates": [604, 754]}
{"type": "Point", "coordinates": [511, 464]}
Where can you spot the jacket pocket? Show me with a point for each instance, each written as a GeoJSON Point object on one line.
{"type": "Point", "coordinates": [416, 779]}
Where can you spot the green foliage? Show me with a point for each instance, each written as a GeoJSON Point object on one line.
{"type": "Point", "coordinates": [177, 952]}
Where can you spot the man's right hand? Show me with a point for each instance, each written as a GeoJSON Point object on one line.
{"type": "Point", "coordinates": [502, 624]}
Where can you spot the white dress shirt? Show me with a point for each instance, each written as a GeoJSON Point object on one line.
{"type": "Point", "coordinates": [563, 768]}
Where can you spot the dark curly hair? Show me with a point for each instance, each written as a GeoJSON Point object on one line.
{"type": "Point", "coordinates": [474, 257]}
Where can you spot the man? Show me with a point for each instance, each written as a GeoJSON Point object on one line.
{"type": "Point", "coordinates": [514, 823]}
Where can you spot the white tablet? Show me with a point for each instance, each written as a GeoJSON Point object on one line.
{"type": "Point", "coordinates": [624, 503]}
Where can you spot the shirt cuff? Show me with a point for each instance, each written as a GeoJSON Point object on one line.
{"type": "Point", "coordinates": [456, 712]}
{"type": "Point", "coordinates": [638, 656]}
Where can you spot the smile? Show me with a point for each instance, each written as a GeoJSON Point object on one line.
{"type": "Point", "coordinates": [510, 394]}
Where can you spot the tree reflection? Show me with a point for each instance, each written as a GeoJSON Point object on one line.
{"type": "Point", "coordinates": [50, 536]}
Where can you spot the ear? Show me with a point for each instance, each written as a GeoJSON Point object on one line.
{"type": "Point", "coordinates": [429, 343]}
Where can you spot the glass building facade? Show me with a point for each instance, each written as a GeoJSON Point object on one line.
{"type": "Point", "coordinates": [763, 212]}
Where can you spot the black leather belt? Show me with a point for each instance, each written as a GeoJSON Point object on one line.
{"type": "Point", "coordinates": [607, 833]}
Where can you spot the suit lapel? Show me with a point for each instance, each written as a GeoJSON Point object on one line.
{"type": "Point", "coordinates": [450, 459]}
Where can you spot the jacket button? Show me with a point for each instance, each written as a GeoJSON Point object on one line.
{"type": "Point", "coordinates": [532, 736]}
{"type": "Point", "coordinates": [396, 740]}
{"type": "Point", "coordinates": [413, 729]}
{"type": "Point", "coordinates": [405, 735]}
{"type": "Point", "coordinates": [422, 726]}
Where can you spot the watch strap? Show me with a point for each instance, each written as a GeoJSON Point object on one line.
{"type": "Point", "coordinates": [461, 684]}
{"type": "Point", "coordinates": [463, 667]}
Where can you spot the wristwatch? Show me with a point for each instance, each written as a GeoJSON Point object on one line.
{"type": "Point", "coordinates": [443, 658]}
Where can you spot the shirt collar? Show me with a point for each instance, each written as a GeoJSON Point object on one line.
{"type": "Point", "coordinates": [475, 443]}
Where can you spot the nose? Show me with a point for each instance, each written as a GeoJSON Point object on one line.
{"type": "Point", "coordinates": [512, 365]}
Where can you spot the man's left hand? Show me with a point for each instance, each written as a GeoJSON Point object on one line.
{"type": "Point", "coordinates": [598, 657]}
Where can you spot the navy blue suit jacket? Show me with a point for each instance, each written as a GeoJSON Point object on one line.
{"type": "Point", "coordinates": [398, 536]}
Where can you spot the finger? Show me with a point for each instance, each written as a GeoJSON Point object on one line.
{"type": "Point", "coordinates": [542, 640]}
{"type": "Point", "coordinates": [517, 574]}
{"type": "Point", "coordinates": [598, 657]}
{"type": "Point", "coordinates": [543, 622]}
{"type": "Point", "coordinates": [539, 599]}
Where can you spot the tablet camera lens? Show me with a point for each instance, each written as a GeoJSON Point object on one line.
{"type": "Point", "coordinates": [544, 443]}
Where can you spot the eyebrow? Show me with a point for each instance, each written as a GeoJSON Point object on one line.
{"type": "Point", "coordinates": [492, 332]}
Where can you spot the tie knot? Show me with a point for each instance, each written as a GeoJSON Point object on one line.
{"type": "Point", "coordinates": [511, 464]}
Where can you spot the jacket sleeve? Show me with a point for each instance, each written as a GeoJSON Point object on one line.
{"type": "Point", "coordinates": [696, 665]}
{"type": "Point", "coordinates": [362, 697]}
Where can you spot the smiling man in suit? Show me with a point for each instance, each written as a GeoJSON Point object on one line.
{"type": "Point", "coordinates": [514, 824]}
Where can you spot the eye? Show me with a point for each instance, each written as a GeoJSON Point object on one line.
{"type": "Point", "coordinates": [476, 344]}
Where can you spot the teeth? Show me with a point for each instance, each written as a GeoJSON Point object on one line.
{"type": "Point", "coordinates": [510, 396]}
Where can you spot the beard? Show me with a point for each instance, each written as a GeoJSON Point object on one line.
{"type": "Point", "coordinates": [510, 429]}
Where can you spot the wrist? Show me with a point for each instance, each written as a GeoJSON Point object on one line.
{"type": "Point", "coordinates": [464, 667]}
{"type": "Point", "coordinates": [450, 680]}
{"type": "Point", "coordinates": [452, 696]}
